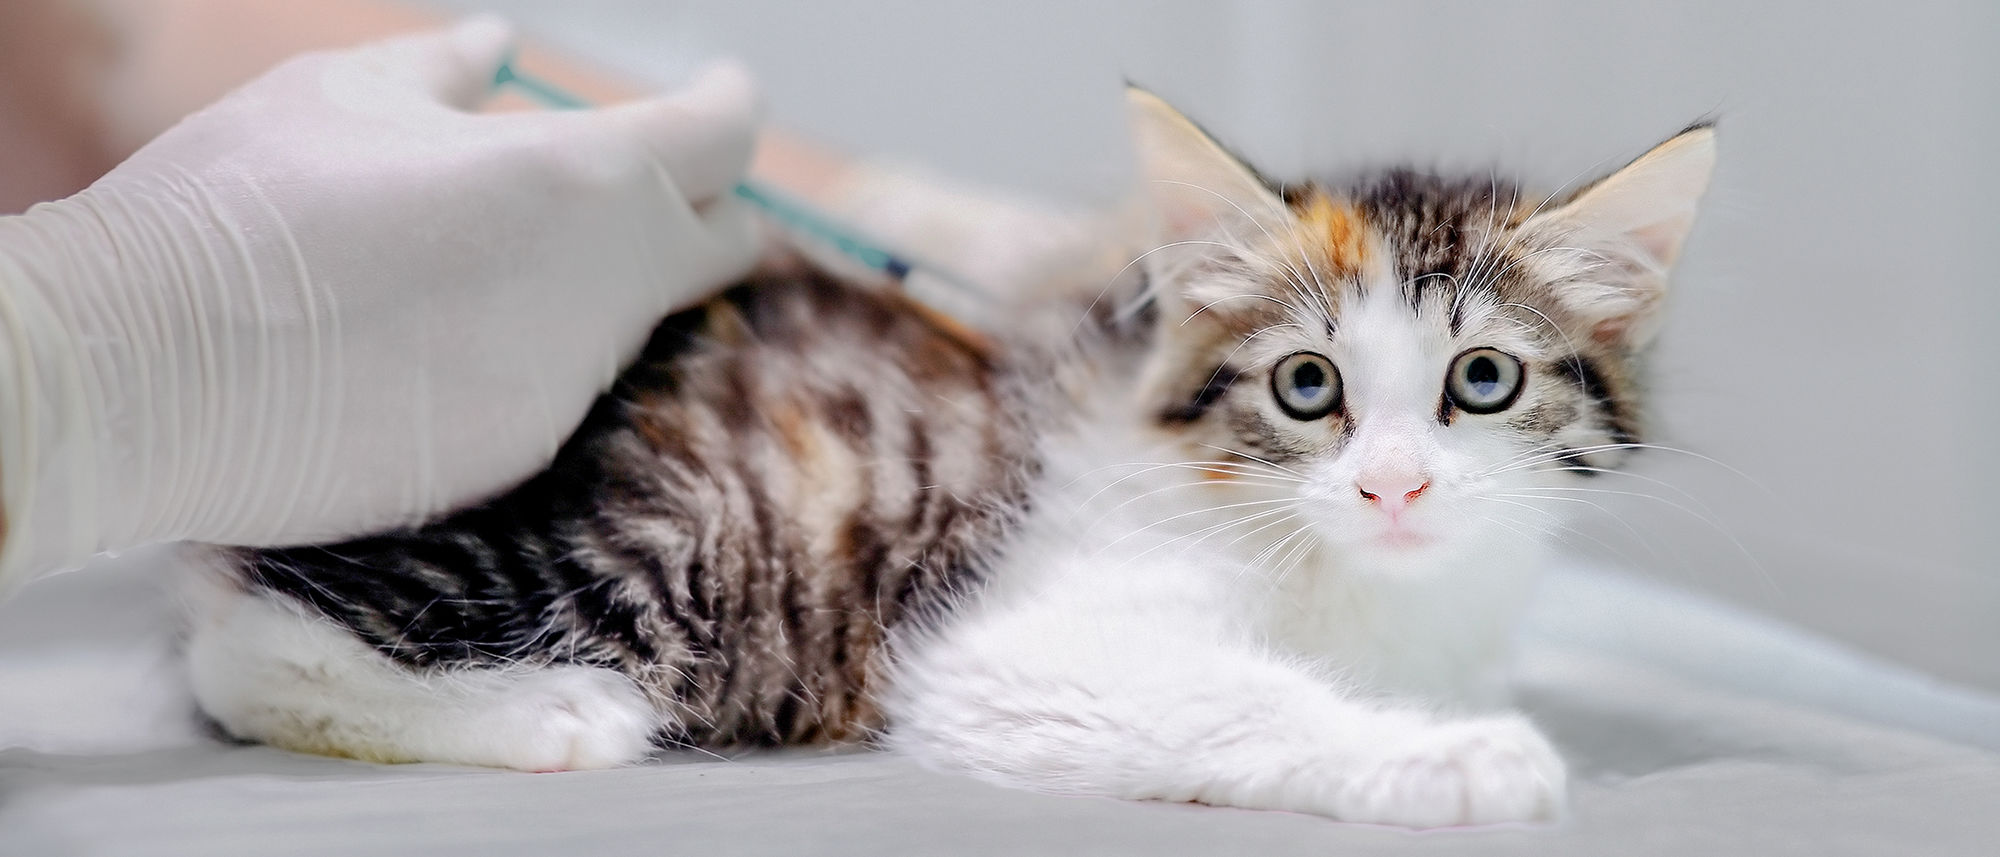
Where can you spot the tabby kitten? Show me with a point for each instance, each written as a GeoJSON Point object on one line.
{"type": "Point", "coordinates": [1255, 537]}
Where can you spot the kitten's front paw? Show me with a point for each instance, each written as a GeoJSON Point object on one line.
{"type": "Point", "coordinates": [569, 719]}
{"type": "Point", "coordinates": [1482, 771]}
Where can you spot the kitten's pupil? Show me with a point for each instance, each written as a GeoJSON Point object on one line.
{"type": "Point", "coordinates": [1309, 380]}
{"type": "Point", "coordinates": [1484, 374]}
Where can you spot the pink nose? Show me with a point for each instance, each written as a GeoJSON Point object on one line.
{"type": "Point", "coordinates": [1391, 491]}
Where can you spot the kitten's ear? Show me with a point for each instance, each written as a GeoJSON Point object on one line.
{"type": "Point", "coordinates": [1636, 220]}
{"type": "Point", "coordinates": [1195, 186]}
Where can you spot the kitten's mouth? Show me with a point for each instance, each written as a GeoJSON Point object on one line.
{"type": "Point", "coordinates": [1402, 539]}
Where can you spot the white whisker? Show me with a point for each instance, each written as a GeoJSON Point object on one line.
{"type": "Point", "coordinates": [1280, 467]}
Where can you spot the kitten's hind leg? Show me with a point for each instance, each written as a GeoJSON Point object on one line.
{"type": "Point", "coordinates": [268, 671]}
{"type": "Point", "coordinates": [1154, 706]}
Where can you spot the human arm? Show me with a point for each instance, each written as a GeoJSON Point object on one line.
{"type": "Point", "coordinates": [337, 301]}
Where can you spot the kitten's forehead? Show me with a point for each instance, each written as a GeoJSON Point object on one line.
{"type": "Point", "coordinates": [1451, 238]}
{"type": "Point", "coordinates": [1445, 247]}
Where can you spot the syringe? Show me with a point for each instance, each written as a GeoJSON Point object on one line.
{"type": "Point", "coordinates": [777, 205]}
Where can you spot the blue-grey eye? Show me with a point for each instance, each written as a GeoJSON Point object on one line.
{"type": "Point", "coordinates": [1306, 385]}
{"type": "Point", "coordinates": [1484, 381]}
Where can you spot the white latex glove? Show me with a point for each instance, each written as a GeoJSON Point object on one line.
{"type": "Point", "coordinates": [335, 301]}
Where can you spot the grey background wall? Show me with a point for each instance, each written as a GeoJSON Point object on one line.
{"type": "Point", "coordinates": [1832, 338]}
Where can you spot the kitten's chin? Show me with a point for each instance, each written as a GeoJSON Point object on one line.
{"type": "Point", "coordinates": [1407, 560]}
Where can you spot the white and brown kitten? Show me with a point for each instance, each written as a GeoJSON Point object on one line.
{"type": "Point", "coordinates": [1252, 534]}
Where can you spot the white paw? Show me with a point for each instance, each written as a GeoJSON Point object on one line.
{"type": "Point", "coordinates": [1464, 772]}
{"type": "Point", "coordinates": [566, 719]}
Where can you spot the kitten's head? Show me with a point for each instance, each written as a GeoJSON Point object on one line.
{"type": "Point", "coordinates": [1420, 362]}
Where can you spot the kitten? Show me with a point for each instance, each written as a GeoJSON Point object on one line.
{"type": "Point", "coordinates": [1251, 534]}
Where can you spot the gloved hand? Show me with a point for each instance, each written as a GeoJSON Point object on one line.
{"type": "Point", "coordinates": [335, 301]}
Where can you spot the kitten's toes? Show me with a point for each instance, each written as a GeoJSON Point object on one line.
{"type": "Point", "coordinates": [568, 719]}
{"type": "Point", "coordinates": [1482, 771]}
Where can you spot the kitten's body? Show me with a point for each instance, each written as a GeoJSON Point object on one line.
{"type": "Point", "coordinates": [786, 472]}
{"type": "Point", "coordinates": [1110, 564]}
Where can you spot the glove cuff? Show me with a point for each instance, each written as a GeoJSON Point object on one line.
{"type": "Point", "coordinates": [48, 478]}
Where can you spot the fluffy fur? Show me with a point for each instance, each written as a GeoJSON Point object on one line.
{"type": "Point", "coordinates": [1153, 561]}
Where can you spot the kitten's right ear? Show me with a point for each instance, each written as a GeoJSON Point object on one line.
{"type": "Point", "coordinates": [1651, 202]}
{"type": "Point", "coordinates": [1630, 226]}
{"type": "Point", "coordinates": [1195, 186]}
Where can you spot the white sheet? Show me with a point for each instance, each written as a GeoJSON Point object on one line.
{"type": "Point", "coordinates": [1692, 728]}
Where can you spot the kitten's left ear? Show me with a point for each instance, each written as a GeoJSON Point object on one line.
{"type": "Point", "coordinates": [1202, 205]}
{"type": "Point", "coordinates": [1196, 186]}
{"type": "Point", "coordinates": [1636, 219]}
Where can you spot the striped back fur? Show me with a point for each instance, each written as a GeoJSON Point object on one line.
{"type": "Point", "coordinates": [785, 473]}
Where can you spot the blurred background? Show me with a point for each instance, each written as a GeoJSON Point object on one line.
{"type": "Point", "coordinates": [1830, 360]}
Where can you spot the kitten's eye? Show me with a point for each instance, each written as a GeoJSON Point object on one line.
{"type": "Point", "coordinates": [1306, 385]}
{"type": "Point", "coordinates": [1484, 381]}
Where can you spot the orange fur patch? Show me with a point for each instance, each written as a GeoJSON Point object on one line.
{"type": "Point", "coordinates": [1338, 231]}
{"type": "Point", "coordinates": [800, 441]}
{"type": "Point", "coordinates": [652, 431]}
